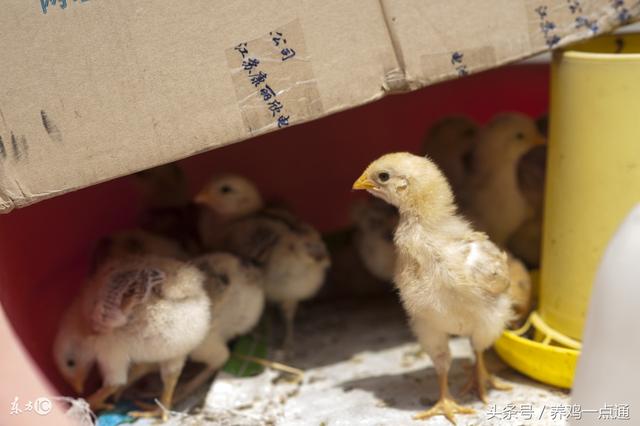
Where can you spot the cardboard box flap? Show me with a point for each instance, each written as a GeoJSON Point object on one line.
{"type": "Point", "coordinates": [93, 90]}
{"type": "Point", "coordinates": [439, 40]}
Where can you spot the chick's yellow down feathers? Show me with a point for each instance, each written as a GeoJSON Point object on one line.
{"type": "Point", "coordinates": [452, 279]}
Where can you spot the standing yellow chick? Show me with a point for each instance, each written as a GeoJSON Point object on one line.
{"type": "Point", "coordinates": [134, 310]}
{"type": "Point", "coordinates": [496, 205]}
{"type": "Point", "coordinates": [449, 144]}
{"type": "Point", "coordinates": [452, 280]}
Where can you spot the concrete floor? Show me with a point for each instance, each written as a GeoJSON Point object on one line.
{"type": "Point", "coordinates": [363, 367]}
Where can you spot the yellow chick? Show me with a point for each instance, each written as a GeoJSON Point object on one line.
{"type": "Point", "coordinates": [452, 280]}
{"type": "Point", "coordinates": [526, 241]}
{"type": "Point", "coordinates": [520, 291]}
{"type": "Point", "coordinates": [237, 299]}
{"type": "Point", "coordinates": [133, 310]}
{"type": "Point", "coordinates": [496, 205]}
{"type": "Point", "coordinates": [291, 254]}
{"type": "Point", "coordinates": [449, 144]}
{"type": "Point", "coordinates": [375, 222]}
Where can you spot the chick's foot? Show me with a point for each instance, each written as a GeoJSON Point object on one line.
{"type": "Point", "coordinates": [447, 407]}
{"type": "Point", "coordinates": [481, 379]}
{"type": "Point", "coordinates": [156, 413]}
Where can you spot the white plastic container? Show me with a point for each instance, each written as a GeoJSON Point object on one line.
{"type": "Point", "coordinates": [608, 373]}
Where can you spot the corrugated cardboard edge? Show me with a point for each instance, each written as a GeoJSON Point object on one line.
{"type": "Point", "coordinates": [395, 81]}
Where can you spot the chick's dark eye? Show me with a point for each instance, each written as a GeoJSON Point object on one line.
{"type": "Point", "coordinates": [225, 189]}
{"type": "Point", "coordinates": [71, 363]}
{"type": "Point", "coordinates": [384, 176]}
{"type": "Point", "coordinates": [520, 136]}
{"type": "Point", "coordinates": [224, 278]}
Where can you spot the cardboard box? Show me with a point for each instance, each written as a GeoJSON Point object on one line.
{"type": "Point", "coordinates": [92, 90]}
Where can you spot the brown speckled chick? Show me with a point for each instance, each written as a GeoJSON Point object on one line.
{"type": "Point", "coordinates": [452, 280]}
{"type": "Point", "coordinates": [291, 254]}
{"type": "Point", "coordinates": [133, 310]}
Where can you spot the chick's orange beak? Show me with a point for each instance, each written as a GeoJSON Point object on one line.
{"type": "Point", "coordinates": [201, 198]}
{"type": "Point", "coordinates": [364, 182]}
{"type": "Point", "coordinates": [77, 382]}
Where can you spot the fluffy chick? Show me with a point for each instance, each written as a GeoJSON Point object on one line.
{"type": "Point", "coordinates": [496, 205]}
{"type": "Point", "coordinates": [520, 291]}
{"type": "Point", "coordinates": [237, 299]}
{"type": "Point", "coordinates": [449, 144]}
{"type": "Point", "coordinates": [224, 199]}
{"type": "Point", "coordinates": [133, 310]}
{"type": "Point", "coordinates": [526, 241]}
{"type": "Point", "coordinates": [452, 280]}
{"type": "Point", "coordinates": [291, 254]}
{"type": "Point", "coordinates": [375, 223]}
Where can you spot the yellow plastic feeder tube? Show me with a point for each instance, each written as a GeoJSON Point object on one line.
{"type": "Point", "coordinates": [593, 180]}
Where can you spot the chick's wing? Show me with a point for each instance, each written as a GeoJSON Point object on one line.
{"type": "Point", "coordinates": [121, 292]}
{"type": "Point", "coordinates": [485, 264]}
{"type": "Point", "coordinates": [253, 239]}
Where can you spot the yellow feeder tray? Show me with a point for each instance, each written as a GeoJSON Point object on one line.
{"type": "Point", "coordinates": [541, 360]}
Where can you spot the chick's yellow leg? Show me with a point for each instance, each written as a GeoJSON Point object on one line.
{"type": "Point", "coordinates": [436, 344]}
{"type": "Point", "coordinates": [97, 399]}
{"type": "Point", "coordinates": [289, 308]}
{"type": "Point", "coordinates": [137, 372]}
{"type": "Point", "coordinates": [481, 379]}
{"type": "Point", "coordinates": [194, 384]}
{"type": "Point", "coordinates": [170, 373]}
{"type": "Point", "coordinates": [446, 405]}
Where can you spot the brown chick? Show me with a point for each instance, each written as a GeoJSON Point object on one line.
{"type": "Point", "coordinates": [134, 310]}
{"type": "Point", "coordinates": [449, 144]}
{"type": "Point", "coordinates": [496, 204]}
{"type": "Point", "coordinates": [452, 280]}
{"type": "Point", "coordinates": [290, 253]}
{"type": "Point", "coordinates": [526, 241]}
{"type": "Point", "coordinates": [163, 186]}
{"type": "Point", "coordinates": [375, 223]}
{"type": "Point", "coordinates": [167, 209]}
